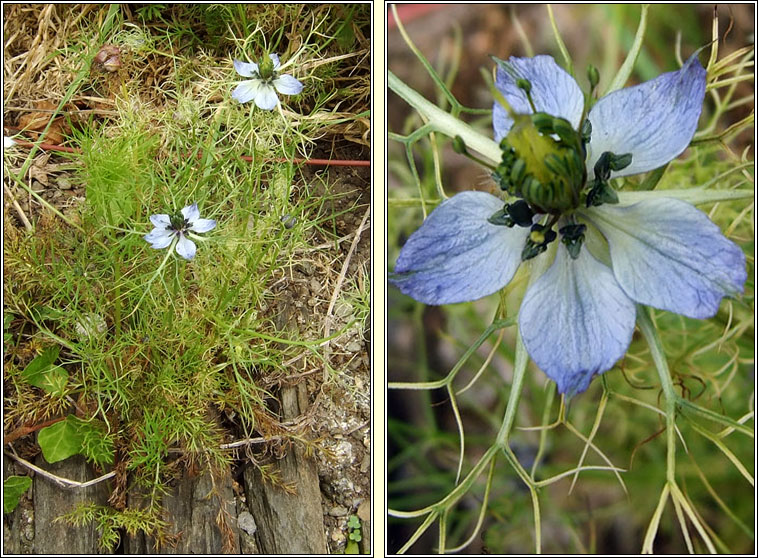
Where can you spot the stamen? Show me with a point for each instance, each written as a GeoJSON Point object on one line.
{"type": "Point", "coordinates": [517, 213]}
{"type": "Point", "coordinates": [572, 237]}
{"type": "Point", "coordinates": [600, 191]}
{"type": "Point", "coordinates": [539, 238]}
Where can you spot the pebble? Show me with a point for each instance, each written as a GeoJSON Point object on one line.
{"type": "Point", "coordinates": [64, 183]}
{"type": "Point", "coordinates": [365, 463]}
{"type": "Point", "coordinates": [338, 511]}
{"type": "Point", "coordinates": [343, 309]}
{"type": "Point", "coordinates": [353, 347]}
{"type": "Point", "coordinates": [315, 285]}
{"type": "Point", "coordinates": [364, 511]}
{"type": "Point", "coordinates": [246, 522]}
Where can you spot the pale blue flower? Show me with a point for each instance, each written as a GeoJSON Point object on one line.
{"type": "Point", "coordinates": [577, 319]}
{"type": "Point", "coordinates": [265, 82]}
{"type": "Point", "coordinates": [168, 228]}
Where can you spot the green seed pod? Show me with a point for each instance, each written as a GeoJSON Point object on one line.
{"type": "Point", "coordinates": [543, 122]}
{"type": "Point", "coordinates": [266, 68]}
{"type": "Point", "coordinates": [547, 181]}
{"type": "Point", "coordinates": [563, 129]}
{"type": "Point", "coordinates": [518, 170]}
{"type": "Point", "coordinates": [556, 164]}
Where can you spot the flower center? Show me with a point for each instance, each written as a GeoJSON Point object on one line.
{"type": "Point", "coordinates": [543, 164]}
{"type": "Point", "coordinates": [178, 222]}
{"type": "Point", "coordinates": [546, 172]}
{"type": "Point", "coordinates": [266, 69]}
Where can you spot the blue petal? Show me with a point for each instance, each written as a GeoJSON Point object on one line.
{"type": "Point", "coordinates": [185, 247]}
{"type": "Point", "coordinates": [457, 255]}
{"type": "Point", "coordinates": [247, 69]}
{"type": "Point", "coordinates": [576, 321]}
{"type": "Point", "coordinates": [246, 91]}
{"type": "Point", "coordinates": [160, 220]}
{"type": "Point", "coordinates": [287, 85]}
{"type": "Point", "coordinates": [275, 60]}
{"type": "Point", "coordinates": [653, 121]}
{"type": "Point", "coordinates": [191, 213]}
{"type": "Point", "coordinates": [554, 91]}
{"type": "Point", "coordinates": [266, 98]}
{"type": "Point", "coordinates": [203, 225]}
{"type": "Point", "coordinates": [159, 238]}
{"type": "Point", "coordinates": [669, 255]}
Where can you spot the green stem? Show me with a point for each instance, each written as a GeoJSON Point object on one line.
{"type": "Point", "coordinates": [694, 196]}
{"type": "Point", "coordinates": [493, 327]}
{"type": "Point", "coordinates": [559, 40]}
{"type": "Point", "coordinates": [519, 372]}
{"type": "Point", "coordinates": [671, 398]}
{"type": "Point", "coordinates": [445, 122]}
{"type": "Point", "coordinates": [626, 68]}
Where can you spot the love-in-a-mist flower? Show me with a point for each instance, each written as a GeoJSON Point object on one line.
{"type": "Point", "coordinates": [176, 228]}
{"type": "Point", "coordinates": [264, 83]}
{"type": "Point", "coordinates": [558, 156]}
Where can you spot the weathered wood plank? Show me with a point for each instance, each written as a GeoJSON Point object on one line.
{"type": "Point", "coordinates": [288, 523]}
{"type": "Point", "coordinates": [194, 512]}
{"type": "Point", "coordinates": [51, 501]}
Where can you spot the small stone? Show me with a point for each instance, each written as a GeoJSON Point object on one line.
{"type": "Point", "coordinates": [343, 309]}
{"type": "Point", "coordinates": [366, 463]}
{"type": "Point", "coordinates": [315, 285]}
{"type": "Point", "coordinates": [64, 183]}
{"type": "Point", "coordinates": [364, 511]}
{"type": "Point", "coordinates": [246, 522]}
{"type": "Point", "coordinates": [353, 346]}
{"type": "Point", "coordinates": [338, 511]}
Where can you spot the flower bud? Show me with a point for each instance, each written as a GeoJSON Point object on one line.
{"type": "Point", "coordinates": [593, 76]}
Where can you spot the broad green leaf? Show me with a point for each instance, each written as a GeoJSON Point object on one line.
{"type": "Point", "coordinates": [13, 488]}
{"type": "Point", "coordinates": [352, 548]}
{"type": "Point", "coordinates": [61, 440]}
{"type": "Point", "coordinates": [37, 367]}
{"type": "Point", "coordinates": [41, 373]}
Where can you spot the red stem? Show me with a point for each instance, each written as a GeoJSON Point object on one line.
{"type": "Point", "coordinates": [296, 161]}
